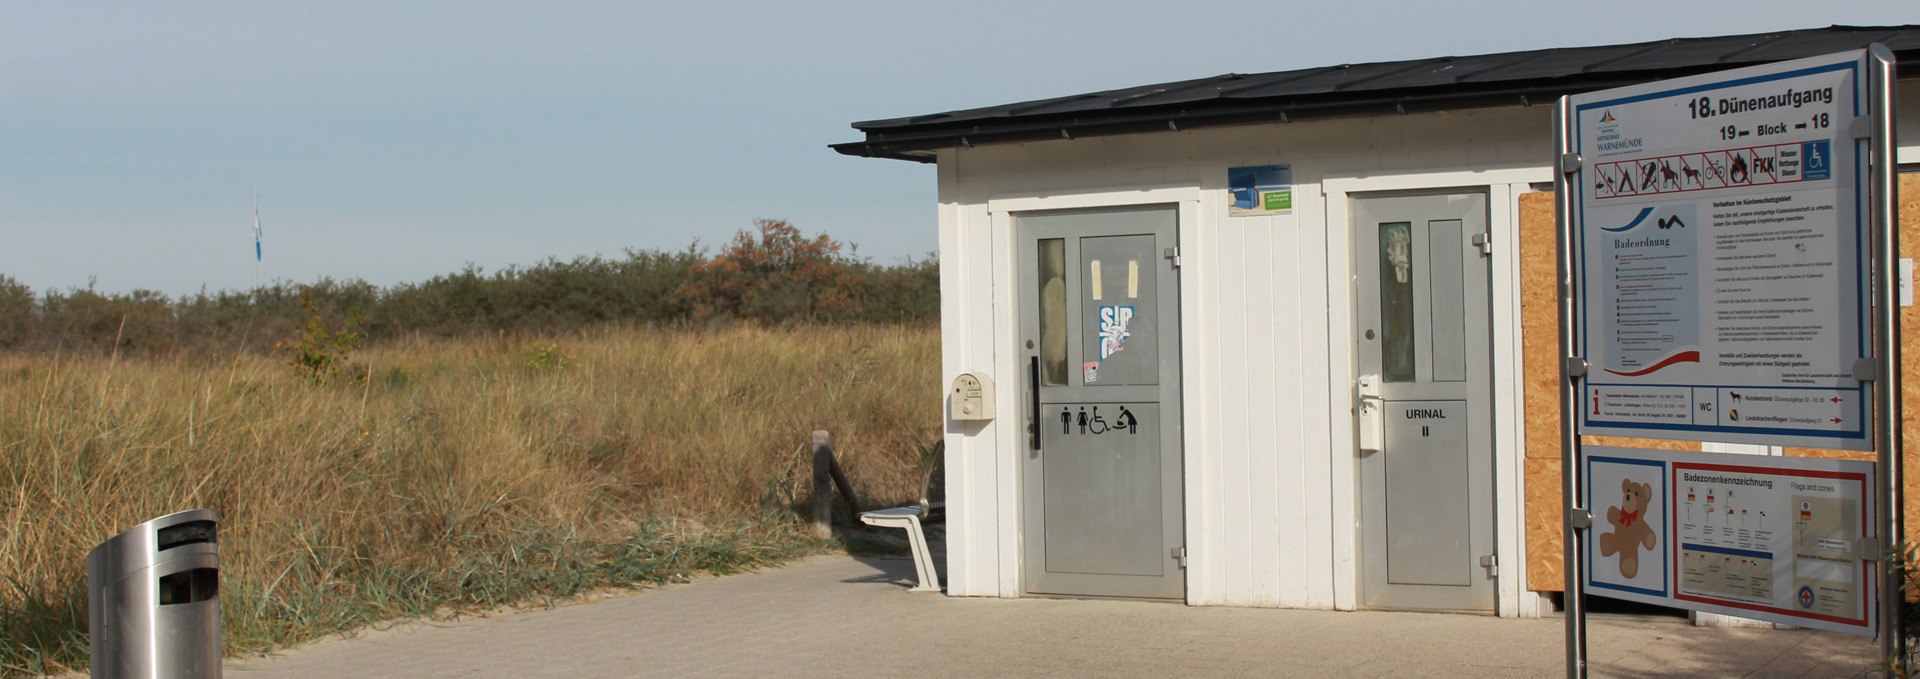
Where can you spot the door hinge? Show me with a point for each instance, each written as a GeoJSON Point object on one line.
{"type": "Point", "coordinates": [1492, 564]}
{"type": "Point", "coordinates": [1173, 255]}
{"type": "Point", "coordinates": [1180, 556]}
{"type": "Point", "coordinates": [1484, 241]}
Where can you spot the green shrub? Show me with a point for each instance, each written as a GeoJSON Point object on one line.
{"type": "Point", "coordinates": [319, 353]}
{"type": "Point", "coordinates": [548, 357]}
{"type": "Point", "coordinates": [16, 311]}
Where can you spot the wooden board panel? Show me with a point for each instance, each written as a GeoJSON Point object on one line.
{"type": "Point", "coordinates": [1540, 342]}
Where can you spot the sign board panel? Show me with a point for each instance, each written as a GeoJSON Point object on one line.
{"type": "Point", "coordinates": [1721, 241]}
{"type": "Point", "coordinates": [1770, 538]}
{"type": "Point", "coordinates": [1260, 190]}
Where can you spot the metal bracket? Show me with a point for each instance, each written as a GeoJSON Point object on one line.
{"type": "Point", "coordinates": [1492, 564]}
{"type": "Point", "coordinates": [1866, 369]}
{"type": "Point", "coordinates": [1574, 366]}
{"type": "Point", "coordinates": [1484, 241]}
{"type": "Point", "coordinates": [1869, 549]}
{"type": "Point", "coordinates": [1172, 254]}
{"type": "Point", "coordinates": [1180, 556]}
{"type": "Point", "coordinates": [1861, 127]}
{"type": "Point", "coordinates": [1579, 518]}
{"type": "Point", "coordinates": [1571, 163]}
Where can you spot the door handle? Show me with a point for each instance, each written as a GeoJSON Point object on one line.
{"type": "Point", "coordinates": [1372, 414]}
{"type": "Point", "coordinates": [1033, 387]}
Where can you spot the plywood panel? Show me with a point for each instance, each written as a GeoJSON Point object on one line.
{"type": "Point", "coordinates": [1539, 349]}
{"type": "Point", "coordinates": [1909, 212]}
{"type": "Point", "coordinates": [1539, 330]}
{"type": "Point", "coordinates": [1544, 572]}
{"type": "Point", "coordinates": [1540, 341]}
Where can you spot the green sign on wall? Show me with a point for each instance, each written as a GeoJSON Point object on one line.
{"type": "Point", "coordinates": [1260, 190]}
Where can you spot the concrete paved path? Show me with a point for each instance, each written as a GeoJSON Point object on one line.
{"type": "Point", "coordinates": [842, 617]}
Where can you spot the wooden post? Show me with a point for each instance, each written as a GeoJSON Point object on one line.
{"type": "Point", "coordinates": [825, 469]}
{"type": "Point", "coordinates": [846, 489]}
{"type": "Point", "coordinates": [822, 488]}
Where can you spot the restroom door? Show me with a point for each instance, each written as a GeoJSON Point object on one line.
{"type": "Point", "coordinates": [1424, 377]}
{"type": "Point", "coordinates": [1101, 496]}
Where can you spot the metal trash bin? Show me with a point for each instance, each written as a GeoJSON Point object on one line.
{"type": "Point", "coordinates": [153, 595]}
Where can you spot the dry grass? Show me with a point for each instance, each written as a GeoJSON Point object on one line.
{"type": "Point", "coordinates": [449, 475]}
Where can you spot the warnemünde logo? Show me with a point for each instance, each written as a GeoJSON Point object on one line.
{"type": "Point", "coordinates": [1609, 140]}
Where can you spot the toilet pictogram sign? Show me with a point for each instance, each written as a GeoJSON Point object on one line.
{"type": "Point", "coordinates": [1079, 420]}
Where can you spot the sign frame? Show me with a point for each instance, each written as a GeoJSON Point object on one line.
{"type": "Point", "coordinates": [1699, 297]}
{"type": "Point", "coordinates": [1880, 368]}
{"type": "Point", "coordinates": [1685, 508]}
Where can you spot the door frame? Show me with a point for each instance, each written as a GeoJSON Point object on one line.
{"type": "Point", "coordinates": [1502, 188]}
{"type": "Point", "coordinates": [1009, 361]}
{"type": "Point", "coordinates": [1477, 398]}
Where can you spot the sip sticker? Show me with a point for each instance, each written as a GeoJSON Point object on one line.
{"type": "Point", "coordinates": [1113, 329]}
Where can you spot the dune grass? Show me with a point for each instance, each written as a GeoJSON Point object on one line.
{"type": "Point", "coordinates": [440, 476]}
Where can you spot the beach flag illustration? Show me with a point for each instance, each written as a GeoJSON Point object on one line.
{"type": "Point", "coordinates": [1806, 511]}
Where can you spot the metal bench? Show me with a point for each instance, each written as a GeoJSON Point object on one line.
{"type": "Point", "coordinates": [932, 508]}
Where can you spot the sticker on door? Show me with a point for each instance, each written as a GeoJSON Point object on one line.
{"type": "Point", "coordinates": [1114, 319]}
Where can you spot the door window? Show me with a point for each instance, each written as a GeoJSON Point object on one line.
{"type": "Point", "coordinates": [1396, 301]}
{"type": "Point", "coordinates": [1053, 311]}
{"type": "Point", "coordinates": [1119, 311]}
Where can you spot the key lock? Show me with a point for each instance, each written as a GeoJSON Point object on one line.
{"type": "Point", "coordinates": [1372, 413]}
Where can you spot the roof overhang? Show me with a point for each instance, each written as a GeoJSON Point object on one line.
{"type": "Point", "coordinates": [1381, 89]}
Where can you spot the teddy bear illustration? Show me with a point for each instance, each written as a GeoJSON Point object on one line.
{"type": "Point", "coordinates": [1630, 528]}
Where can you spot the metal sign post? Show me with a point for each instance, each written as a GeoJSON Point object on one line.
{"type": "Point", "coordinates": [1575, 519]}
{"type": "Point", "coordinates": [1883, 195]}
{"type": "Point", "coordinates": [1726, 271]}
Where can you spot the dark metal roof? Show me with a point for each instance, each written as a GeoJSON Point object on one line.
{"type": "Point", "coordinates": [1444, 83]}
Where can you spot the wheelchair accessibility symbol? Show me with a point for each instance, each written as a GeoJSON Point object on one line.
{"type": "Point", "coordinates": [1817, 160]}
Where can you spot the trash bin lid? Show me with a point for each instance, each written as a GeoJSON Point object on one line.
{"type": "Point", "coordinates": [192, 532]}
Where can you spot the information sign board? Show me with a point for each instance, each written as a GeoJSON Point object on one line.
{"type": "Point", "coordinates": [1721, 243]}
{"type": "Point", "coordinates": [1769, 538]}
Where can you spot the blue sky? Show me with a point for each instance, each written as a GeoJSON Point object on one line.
{"type": "Point", "coordinates": [392, 141]}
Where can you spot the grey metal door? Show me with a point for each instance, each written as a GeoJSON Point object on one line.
{"type": "Point", "coordinates": [1099, 336]}
{"type": "Point", "coordinates": [1425, 353]}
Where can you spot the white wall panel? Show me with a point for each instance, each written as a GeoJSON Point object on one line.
{"type": "Point", "coordinates": [1264, 313]}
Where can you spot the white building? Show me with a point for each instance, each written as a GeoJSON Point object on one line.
{"type": "Point", "coordinates": [1194, 372]}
